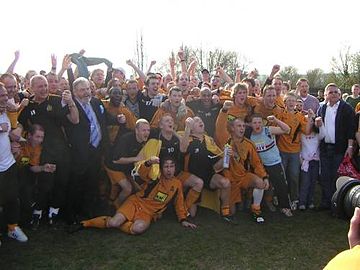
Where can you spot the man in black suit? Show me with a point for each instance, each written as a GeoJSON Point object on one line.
{"type": "Point", "coordinates": [89, 141]}
{"type": "Point", "coordinates": [338, 120]}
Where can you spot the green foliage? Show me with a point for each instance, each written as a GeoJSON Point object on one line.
{"type": "Point", "coordinates": [290, 73]}
{"type": "Point", "coordinates": [316, 78]}
{"type": "Point", "coordinates": [345, 69]}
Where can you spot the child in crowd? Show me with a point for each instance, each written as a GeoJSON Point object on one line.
{"type": "Point", "coordinates": [264, 139]}
{"type": "Point", "coordinates": [33, 175]}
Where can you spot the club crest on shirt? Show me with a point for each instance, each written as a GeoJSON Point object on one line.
{"type": "Point", "coordinates": [160, 197]}
{"type": "Point", "coordinates": [25, 161]}
{"type": "Point", "coordinates": [49, 108]}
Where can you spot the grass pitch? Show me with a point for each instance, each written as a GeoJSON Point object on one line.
{"type": "Point", "coordinates": [306, 241]}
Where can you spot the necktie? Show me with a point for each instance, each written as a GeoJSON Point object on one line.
{"type": "Point", "coordinates": [94, 132]}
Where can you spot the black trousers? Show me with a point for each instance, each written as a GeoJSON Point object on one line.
{"type": "Point", "coordinates": [27, 193]}
{"type": "Point", "coordinates": [9, 194]}
{"type": "Point", "coordinates": [278, 180]}
{"type": "Point", "coordinates": [52, 187]}
{"type": "Point", "coordinates": [83, 188]}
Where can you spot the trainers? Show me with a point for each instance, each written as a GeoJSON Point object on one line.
{"type": "Point", "coordinates": [294, 205]}
{"type": "Point", "coordinates": [302, 207]}
{"type": "Point", "coordinates": [258, 218]}
{"type": "Point", "coordinates": [35, 222]}
{"type": "Point", "coordinates": [287, 212]}
{"type": "Point", "coordinates": [17, 234]}
{"type": "Point", "coordinates": [270, 205]}
{"type": "Point", "coordinates": [230, 220]}
{"type": "Point", "coordinates": [311, 206]}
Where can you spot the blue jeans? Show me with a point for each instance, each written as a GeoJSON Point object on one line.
{"type": "Point", "coordinates": [308, 181]}
{"type": "Point", "coordinates": [291, 164]}
{"type": "Point", "coordinates": [329, 162]}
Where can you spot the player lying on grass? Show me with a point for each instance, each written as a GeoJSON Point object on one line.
{"type": "Point", "coordinates": [136, 213]}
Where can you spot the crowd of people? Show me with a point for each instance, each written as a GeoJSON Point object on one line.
{"type": "Point", "coordinates": [160, 138]}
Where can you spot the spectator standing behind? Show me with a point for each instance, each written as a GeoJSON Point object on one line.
{"type": "Point", "coordinates": [150, 99]}
{"type": "Point", "coordinates": [309, 101]}
{"type": "Point", "coordinates": [133, 96]}
{"type": "Point", "coordinates": [115, 107]}
{"type": "Point", "coordinates": [289, 145]}
{"type": "Point", "coordinates": [206, 109]}
{"type": "Point", "coordinates": [354, 98]}
{"type": "Point", "coordinates": [338, 118]}
{"type": "Point", "coordinates": [175, 106]}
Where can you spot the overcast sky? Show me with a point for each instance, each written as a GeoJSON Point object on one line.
{"type": "Point", "coordinates": [305, 34]}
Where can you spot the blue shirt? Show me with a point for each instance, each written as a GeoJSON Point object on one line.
{"type": "Point", "coordinates": [266, 147]}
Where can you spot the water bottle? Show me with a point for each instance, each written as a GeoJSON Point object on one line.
{"type": "Point", "coordinates": [226, 160]}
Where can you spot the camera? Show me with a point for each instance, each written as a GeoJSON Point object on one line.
{"type": "Point", "coordinates": [346, 197]}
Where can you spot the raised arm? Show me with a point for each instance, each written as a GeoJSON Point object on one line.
{"type": "Point", "coordinates": [66, 64]}
{"type": "Point", "coordinates": [73, 116]}
{"type": "Point", "coordinates": [192, 67]}
{"type": "Point", "coordinates": [185, 139]}
{"type": "Point", "coordinates": [152, 63]}
{"type": "Point", "coordinates": [181, 55]}
{"type": "Point", "coordinates": [310, 121]}
{"type": "Point", "coordinates": [13, 63]}
{"type": "Point", "coordinates": [238, 75]}
{"type": "Point", "coordinates": [53, 64]}
{"type": "Point", "coordinates": [141, 74]}
{"type": "Point", "coordinates": [172, 67]}
{"type": "Point", "coordinates": [275, 69]}
{"type": "Point", "coordinates": [223, 75]}
{"type": "Point", "coordinates": [280, 128]}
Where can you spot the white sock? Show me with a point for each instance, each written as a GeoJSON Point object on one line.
{"type": "Point", "coordinates": [38, 212]}
{"type": "Point", "coordinates": [53, 211]}
{"type": "Point", "coordinates": [258, 195]}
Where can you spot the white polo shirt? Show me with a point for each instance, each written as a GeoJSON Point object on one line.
{"type": "Point", "coordinates": [330, 116]}
{"type": "Point", "coordinates": [6, 157]}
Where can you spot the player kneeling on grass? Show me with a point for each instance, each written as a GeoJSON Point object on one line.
{"type": "Point", "coordinates": [243, 162]}
{"type": "Point", "coordinates": [136, 213]}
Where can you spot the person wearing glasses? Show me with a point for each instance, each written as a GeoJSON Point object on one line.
{"type": "Point", "coordinates": [338, 118]}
